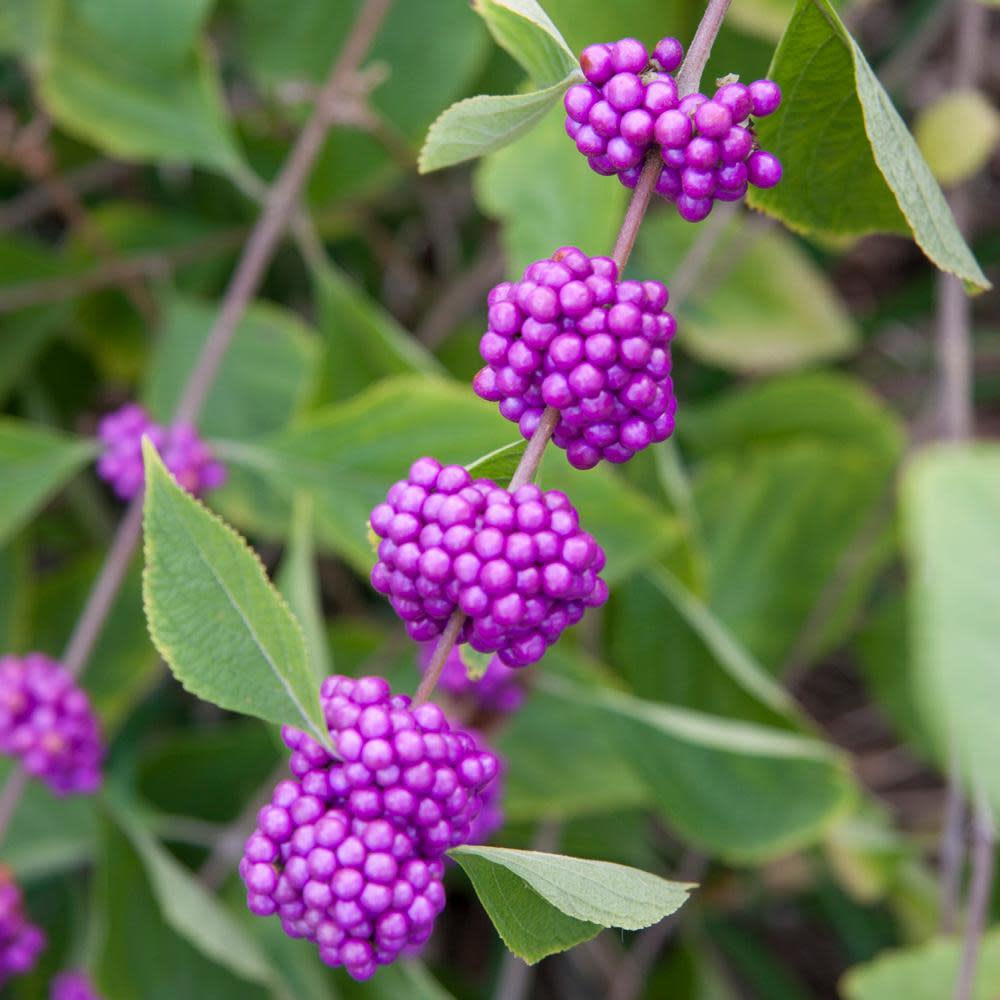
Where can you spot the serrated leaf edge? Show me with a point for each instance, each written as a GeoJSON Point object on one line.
{"type": "Point", "coordinates": [162, 647]}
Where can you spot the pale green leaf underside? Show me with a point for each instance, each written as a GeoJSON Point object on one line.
{"type": "Point", "coordinates": [850, 164]}
{"type": "Point", "coordinates": [480, 125]}
{"type": "Point", "coordinates": [34, 463]}
{"type": "Point", "coordinates": [225, 632]}
{"type": "Point", "coordinates": [543, 903]}
{"type": "Point", "coordinates": [499, 464]}
{"type": "Point", "coordinates": [524, 29]}
{"type": "Point", "coordinates": [951, 510]}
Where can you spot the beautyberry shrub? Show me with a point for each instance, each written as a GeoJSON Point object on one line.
{"type": "Point", "coordinates": [188, 458]}
{"type": "Point", "coordinates": [46, 720]}
{"type": "Point", "coordinates": [350, 854]}
{"type": "Point", "coordinates": [21, 942]}
{"type": "Point", "coordinates": [518, 565]}
{"type": "Point", "coordinates": [571, 336]}
{"type": "Point", "coordinates": [630, 105]}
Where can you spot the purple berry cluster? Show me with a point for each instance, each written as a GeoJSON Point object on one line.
{"type": "Point", "coordinates": [20, 941]}
{"type": "Point", "coordinates": [188, 458]}
{"type": "Point", "coordinates": [350, 854]}
{"type": "Point", "coordinates": [571, 336]}
{"type": "Point", "coordinates": [630, 106]}
{"type": "Point", "coordinates": [72, 985]}
{"type": "Point", "coordinates": [47, 721]}
{"type": "Point", "coordinates": [497, 692]}
{"type": "Point", "coordinates": [516, 564]}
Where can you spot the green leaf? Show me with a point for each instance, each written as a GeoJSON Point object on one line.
{"type": "Point", "coordinates": [265, 377]}
{"type": "Point", "coordinates": [743, 791]}
{"type": "Point", "coordinates": [118, 97]}
{"type": "Point", "coordinates": [771, 308]}
{"type": "Point", "coordinates": [967, 113]}
{"type": "Point", "coordinates": [729, 653]}
{"type": "Point", "coordinates": [926, 972]}
{"type": "Point", "coordinates": [363, 341]}
{"type": "Point", "coordinates": [483, 124]}
{"type": "Point", "coordinates": [34, 464]}
{"type": "Point", "coordinates": [213, 615]}
{"type": "Point", "coordinates": [542, 903]}
{"type": "Point", "coordinates": [528, 34]}
{"type": "Point", "coordinates": [141, 956]}
{"type": "Point", "coordinates": [951, 500]}
{"type": "Point", "coordinates": [837, 131]}
{"type": "Point", "coordinates": [299, 584]}
{"type": "Point", "coordinates": [499, 464]}
{"type": "Point", "coordinates": [536, 187]}
{"type": "Point", "coordinates": [190, 909]}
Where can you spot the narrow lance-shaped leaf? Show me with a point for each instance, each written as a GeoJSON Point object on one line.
{"type": "Point", "coordinates": [34, 464]}
{"type": "Point", "coordinates": [213, 615]}
{"type": "Point", "coordinates": [543, 903]}
{"type": "Point", "coordinates": [850, 165]}
{"type": "Point", "coordinates": [193, 912]}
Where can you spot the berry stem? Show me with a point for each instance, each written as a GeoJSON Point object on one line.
{"type": "Point", "coordinates": [689, 75]}
{"type": "Point", "coordinates": [444, 646]}
{"type": "Point", "coordinates": [636, 211]}
{"type": "Point", "coordinates": [527, 468]}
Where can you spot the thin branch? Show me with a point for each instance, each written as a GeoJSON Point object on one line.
{"type": "Point", "coordinates": [984, 838]}
{"type": "Point", "coordinates": [279, 209]}
{"type": "Point", "coordinates": [955, 412]}
{"type": "Point", "coordinates": [952, 850]}
{"type": "Point", "coordinates": [24, 208]}
{"type": "Point", "coordinates": [689, 75]}
{"type": "Point", "coordinates": [114, 272]}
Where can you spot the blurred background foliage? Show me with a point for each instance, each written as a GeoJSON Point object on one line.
{"type": "Point", "coordinates": [744, 712]}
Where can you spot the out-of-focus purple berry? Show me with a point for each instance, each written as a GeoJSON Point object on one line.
{"type": "Point", "coordinates": [21, 942]}
{"type": "Point", "coordinates": [47, 723]}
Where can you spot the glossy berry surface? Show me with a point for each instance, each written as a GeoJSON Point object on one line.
{"type": "Point", "coordinates": [497, 692]}
{"type": "Point", "coordinates": [21, 942]}
{"type": "Point", "coordinates": [47, 722]}
{"type": "Point", "coordinates": [518, 565]}
{"type": "Point", "coordinates": [185, 455]}
{"type": "Point", "coordinates": [630, 106]}
{"type": "Point", "coordinates": [349, 854]}
{"type": "Point", "coordinates": [72, 985]}
{"type": "Point", "coordinates": [571, 336]}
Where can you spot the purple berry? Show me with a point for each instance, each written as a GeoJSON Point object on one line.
{"type": "Point", "coordinates": [495, 582]}
{"type": "Point", "coordinates": [21, 942]}
{"type": "Point", "coordinates": [693, 209]}
{"type": "Point", "coordinates": [596, 63]}
{"type": "Point", "coordinates": [713, 119]}
{"type": "Point", "coordinates": [629, 56]}
{"type": "Point", "coordinates": [605, 329]}
{"type": "Point", "coordinates": [763, 169]}
{"type": "Point", "coordinates": [578, 101]}
{"type": "Point", "coordinates": [47, 722]}
{"type": "Point", "coordinates": [669, 53]}
{"type": "Point", "coordinates": [187, 458]}
{"type": "Point", "coordinates": [360, 875]}
{"type": "Point", "coordinates": [765, 96]}
{"type": "Point", "coordinates": [624, 91]}
{"type": "Point", "coordinates": [736, 97]}
{"type": "Point", "coordinates": [672, 129]}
